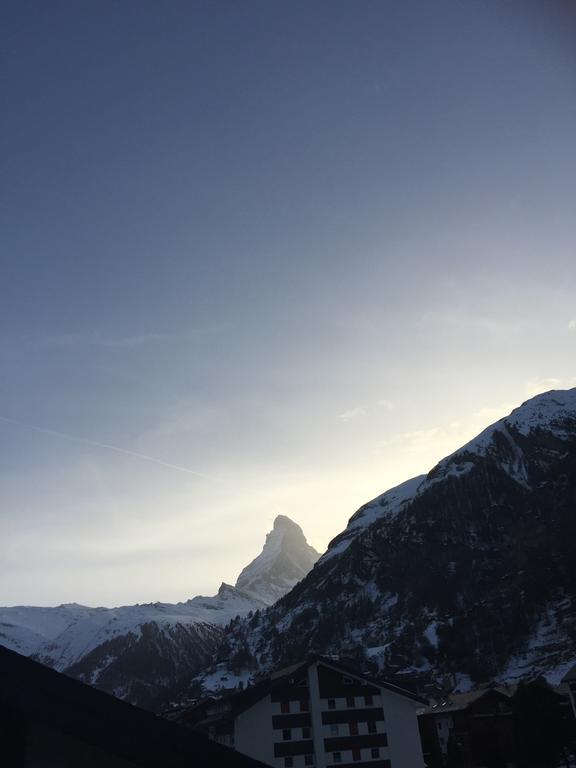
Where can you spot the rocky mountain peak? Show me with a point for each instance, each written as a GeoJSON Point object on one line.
{"type": "Point", "coordinates": [283, 523]}
{"type": "Point", "coordinates": [285, 559]}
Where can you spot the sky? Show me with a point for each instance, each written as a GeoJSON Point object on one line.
{"type": "Point", "coordinates": [265, 257]}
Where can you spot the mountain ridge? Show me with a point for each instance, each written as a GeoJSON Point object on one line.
{"type": "Point", "coordinates": [98, 645]}
{"type": "Point", "coordinates": [460, 577]}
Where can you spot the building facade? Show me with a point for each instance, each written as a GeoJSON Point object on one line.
{"type": "Point", "coordinates": [318, 713]}
{"type": "Point", "coordinates": [469, 730]}
{"type": "Point", "coordinates": [529, 723]}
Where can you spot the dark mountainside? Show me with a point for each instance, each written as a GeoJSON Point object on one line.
{"type": "Point", "coordinates": [465, 576]}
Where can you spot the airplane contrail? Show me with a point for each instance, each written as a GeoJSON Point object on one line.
{"type": "Point", "coordinates": [107, 446]}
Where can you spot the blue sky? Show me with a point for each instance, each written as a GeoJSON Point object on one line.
{"type": "Point", "coordinates": [303, 249]}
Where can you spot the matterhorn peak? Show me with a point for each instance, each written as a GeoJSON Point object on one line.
{"type": "Point", "coordinates": [284, 561]}
{"type": "Point", "coordinates": [281, 522]}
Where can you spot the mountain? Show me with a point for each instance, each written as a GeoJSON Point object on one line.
{"type": "Point", "coordinates": [456, 578]}
{"type": "Point", "coordinates": [285, 559]}
{"type": "Point", "coordinates": [142, 652]}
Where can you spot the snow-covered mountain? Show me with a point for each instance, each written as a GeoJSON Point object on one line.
{"type": "Point", "coordinates": [285, 559]}
{"type": "Point", "coordinates": [134, 651]}
{"type": "Point", "coordinates": [458, 577]}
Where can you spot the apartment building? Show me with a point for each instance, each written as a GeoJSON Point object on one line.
{"type": "Point", "coordinates": [317, 713]}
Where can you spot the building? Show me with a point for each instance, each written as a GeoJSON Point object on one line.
{"type": "Point", "coordinates": [468, 729]}
{"type": "Point", "coordinates": [499, 727]}
{"type": "Point", "coordinates": [48, 719]}
{"type": "Point", "coordinates": [317, 713]}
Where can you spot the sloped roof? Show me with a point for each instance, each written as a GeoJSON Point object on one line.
{"type": "Point", "coordinates": [243, 700]}
{"type": "Point", "coordinates": [377, 681]}
{"type": "Point", "coordinates": [36, 693]}
{"type": "Point", "coordinates": [457, 702]}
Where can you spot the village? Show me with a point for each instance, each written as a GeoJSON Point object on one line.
{"type": "Point", "coordinates": [320, 713]}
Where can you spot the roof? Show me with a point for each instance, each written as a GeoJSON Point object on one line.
{"type": "Point", "coordinates": [35, 693]}
{"type": "Point", "coordinates": [377, 681]}
{"type": "Point", "coordinates": [457, 702]}
{"type": "Point", "coordinates": [240, 701]}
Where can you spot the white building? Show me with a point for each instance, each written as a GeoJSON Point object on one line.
{"type": "Point", "coordinates": [317, 713]}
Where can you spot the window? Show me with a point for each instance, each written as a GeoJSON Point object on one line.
{"type": "Point", "coordinates": [288, 762]}
{"type": "Point", "coordinates": [356, 754]}
{"type": "Point", "coordinates": [347, 680]}
{"type": "Point", "coordinates": [305, 733]}
{"type": "Point", "coordinates": [336, 757]}
{"type": "Point", "coordinates": [331, 703]}
{"type": "Point", "coordinates": [353, 729]}
{"type": "Point", "coordinates": [369, 700]}
{"type": "Point", "coordinates": [371, 726]}
{"type": "Point", "coordinates": [304, 705]}
{"type": "Point", "coordinates": [334, 730]}
{"type": "Point", "coordinates": [375, 753]}
{"type": "Point", "coordinates": [285, 707]}
{"type": "Point", "coordinates": [308, 759]}
{"type": "Point", "coordinates": [349, 701]}
{"type": "Point", "coordinates": [287, 734]}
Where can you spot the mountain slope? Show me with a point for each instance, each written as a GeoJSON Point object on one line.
{"type": "Point", "coordinates": [462, 576]}
{"type": "Point", "coordinates": [138, 652]}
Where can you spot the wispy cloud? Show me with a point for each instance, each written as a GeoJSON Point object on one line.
{"type": "Point", "coordinates": [351, 414]}
{"type": "Point", "coordinates": [136, 341]}
{"type": "Point", "coordinates": [97, 339]}
{"type": "Point", "coordinates": [107, 447]}
{"type": "Point", "coordinates": [438, 442]}
{"type": "Point", "coordinates": [364, 410]}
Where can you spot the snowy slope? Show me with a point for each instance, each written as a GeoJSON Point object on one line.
{"type": "Point", "coordinates": [63, 635]}
{"type": "Point", "coordinates": [387, 504]}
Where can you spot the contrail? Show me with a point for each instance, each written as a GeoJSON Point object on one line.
{"type": "Point", "coordinates": [108, 447]}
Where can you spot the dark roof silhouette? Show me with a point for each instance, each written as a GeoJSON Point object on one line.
{"type": "Point", "coordinates": [242, 700]}
{"type": "Point", "coordinates": [31, 692]}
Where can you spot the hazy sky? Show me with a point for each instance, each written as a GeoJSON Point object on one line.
{"type": "Point", "coordinates": [303, 249]}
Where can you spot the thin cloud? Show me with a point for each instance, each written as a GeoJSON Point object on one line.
{"type": "Point", "coordinates": [442, 441]}
{"type": "Point", "coordinates": [353, 413]}
{"type": "Point", "coordinates": [108, 447]}
{"type": "Point", "coordinates": [97, 339]}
